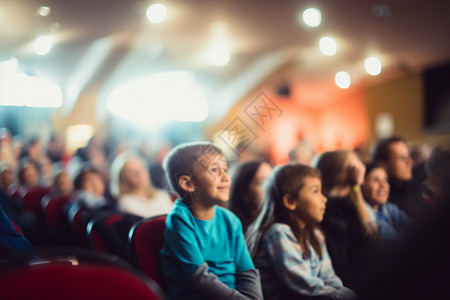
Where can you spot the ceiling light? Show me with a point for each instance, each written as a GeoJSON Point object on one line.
{"type": "Point", "coordinates": [219, 55]}
{"type": "Point", "coordinates": [43, 11]}
{"type": "Point", "coordinates": [159, 98]}
{"type": "Point", "coordinates": [54, 28]}
{"type": "Point", "coordinates": [156, 13]}
{"type": "Point", "coordinates": [312, 17]}
{"type": "Point", "coordinates": [372, 66]}
{"type": "Point", "coordinates": [42, 45]}
{"type": "Point", "coordinates": [342, 79]}
{"type": "Point", "coordinates": [327, 46]}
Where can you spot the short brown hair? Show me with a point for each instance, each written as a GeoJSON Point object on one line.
{"type": "Point", "coordinates": [183, 158]}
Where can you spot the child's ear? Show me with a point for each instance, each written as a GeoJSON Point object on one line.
{"type": "Point", "coordinates": [186, 183]}
{"type": "Point", "coordinates": [289, 202]}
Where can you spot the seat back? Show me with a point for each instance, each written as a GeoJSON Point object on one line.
{"type": "Point", "coordinates": [54, 214]}
{"type": "Point", "coordinates": [75, 218]}
{"type": "Point", "coordinates": [58, 280]}
{"type": "Point", "coordinates": [31, 201]}
{"type": "Point", "coordinates": [108, 233]}
{"type": "Point", "coordinates": [146, 240]}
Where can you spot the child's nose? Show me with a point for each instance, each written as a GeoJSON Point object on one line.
{"type": "Point", "coordinates": [225, 176]}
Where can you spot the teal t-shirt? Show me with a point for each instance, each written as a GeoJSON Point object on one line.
{"type": "Point", "coordinates": [190, 242]}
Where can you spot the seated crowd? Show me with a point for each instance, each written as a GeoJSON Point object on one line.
{"type": "Point", "coordinates": [316, 227]}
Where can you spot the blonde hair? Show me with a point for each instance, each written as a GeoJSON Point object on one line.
{"type": "Point", "coordinates": [118, 183]}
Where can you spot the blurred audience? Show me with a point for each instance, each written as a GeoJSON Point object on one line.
{"type": "Point", "coordinates": [349, 230]}
{"type": "Point", "coordinates": [89, 189]}
{"type": "Point", "coordinates": [302, 153]}
{"type": "Point", "coordinates": [131, 185]}
{"type": "Point", "coordinates": [6, 149]}
{"type": "Point", "coordinates": [390, 220]}
{"type": "Point", "coordinates": [62, 185]}
{"type": "Point", "coordinates": [393, 155]}
{"type": "Point", "coordinates": [246, 192]}
{"type": "Point", "coordinates": [27, 176]}
{"type": "Point", "coordinates": [437, 168]}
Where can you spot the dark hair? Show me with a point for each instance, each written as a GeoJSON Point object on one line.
{"type": "Point", "coordinates": [382, 151]}
{"type": "Point", "coordinates": [286, 179]}
{"type": "Point", "coordinates": [182, 159]}
{"type": "Point", "coordinates": [86, 168]}
{"type": "Point", "coordinates": [24, 163]}
{"type": "Point", "coordinates": [439, 161]}
{"type": "Point", "coordinates": [370, 166]}
{"type": "Point", "coordinates": [241, 177]}
{"type": "Point", "coordinates": [331, 164]}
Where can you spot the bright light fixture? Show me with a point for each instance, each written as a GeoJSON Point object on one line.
{"type": "Point", "coordinates": [312, 17]}
{"type": "Point", "coordinates": [42, 45]}
{"type": "Point", "coordinates": [219, 55]}
{"type": "Point", "coordinates": [372, 66]}
{"type": "Point", "coordinates": [328, 46]}
{"type": "Point", "coordinates": [159, 98]}
{"type": "Point", "coordinates": [22, 90]}
{"type": "Point", "coordinates": [43, 11]}
{"type": "Point", "coordinates": [342, 79]}
{"type": "Point", "coordinates": [156, 13]}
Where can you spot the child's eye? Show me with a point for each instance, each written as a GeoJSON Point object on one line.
{"type": "Point", "coordinates": [213, 170]}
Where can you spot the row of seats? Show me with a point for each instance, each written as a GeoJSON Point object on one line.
{"type": "Point", "coordinates": [74, 276]}
{"type": "Point", "coordinates": [131, 238]}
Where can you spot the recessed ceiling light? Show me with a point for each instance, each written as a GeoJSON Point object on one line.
{"type": "Point", "coordinates": [42, 45]}
{"type": "Point", "coordinates": [372, 66]}
{"type": "Point", "coordinates": [43, 11]}
{"type": "Point", "coordinates": [342, 79]}
{"type": "Point", "coordinates": [312, 17]}
{"type": "Point", "coordinates": [328, 46]}
{"type": "Point", "coordinates": [156, 13]}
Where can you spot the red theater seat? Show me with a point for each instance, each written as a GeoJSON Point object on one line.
{"type": "Point", "coordinates": [108, 233]}
{"type": "Point", "coordinates": [55, 215]}
{"type": "Point", "coordinates": [31, 201]}
{"type": "Point", "coordinates": [62, 280]}
{"type": "Point", "coordinates": [146, 240]}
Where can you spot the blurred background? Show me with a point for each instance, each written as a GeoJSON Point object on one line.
{"type": "Point", "coordinates": [257, 76]}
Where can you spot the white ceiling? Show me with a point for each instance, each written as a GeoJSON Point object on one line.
{"type": "Point", "coordinates": [106, 42]}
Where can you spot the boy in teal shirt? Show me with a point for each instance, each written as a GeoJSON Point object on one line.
{"type": "Point", "coordinates": [204, 254]}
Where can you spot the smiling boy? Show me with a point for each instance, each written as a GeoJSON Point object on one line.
{"type": "Point", "coordinates": [204, 254]}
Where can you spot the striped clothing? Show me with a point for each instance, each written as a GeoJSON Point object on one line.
{"type": "Point", "coordinates": [283, 267]}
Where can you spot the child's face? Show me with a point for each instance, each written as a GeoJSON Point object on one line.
{"type": "Point", "coordinates": [212, 179]}
{"type": "Point", "coordinates": [310, 202]}
{"type": "Point", "coordinates": [376, 187]}
{"type": "Point", "coordinates": [93, 183]}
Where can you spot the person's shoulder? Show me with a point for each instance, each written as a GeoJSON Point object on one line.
{"type": "Point", "coordinates": [227, 216]}
{"type": "Point", "coordinates": [180, 210]}
{"type": "Point", "coordinates": [278, 230]}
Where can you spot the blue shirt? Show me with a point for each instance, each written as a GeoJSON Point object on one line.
{"type": "Point", "coordinates": [190, 242]}
{"type": "Point", "coordinates": [282, 264]}
{"type": "Point", "coordinates": [391, 221]}
{"type": "Point", "coordinates": [14, 241]}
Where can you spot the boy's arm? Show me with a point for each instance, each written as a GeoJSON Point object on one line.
{"type": "Point", "coordinates": [249, 284]}
{"type": "Point", "coordinates": [247, 276]}
{"type": "Point", "coordinates": [211, 287]}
